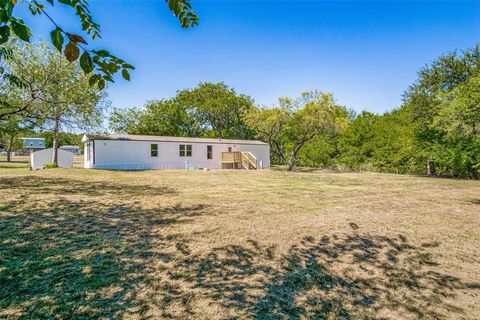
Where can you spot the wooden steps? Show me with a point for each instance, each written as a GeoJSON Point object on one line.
{"type": "Point", "coordinates": [243, 158]}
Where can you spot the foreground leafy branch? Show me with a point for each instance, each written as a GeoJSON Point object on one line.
{"type": "Point", "coordinates": [100, 63]}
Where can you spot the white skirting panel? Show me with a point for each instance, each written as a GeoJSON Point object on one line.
{"type": "Point", "coordinates": [159, 166]}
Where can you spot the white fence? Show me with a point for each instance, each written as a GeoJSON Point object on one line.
{"type": "Point", "coordinates": [40, 158]}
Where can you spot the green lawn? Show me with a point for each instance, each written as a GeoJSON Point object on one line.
{"type": "Point", "coordinates": [264, 244]}
{"type": "Point", "coordinates": [16, 162]}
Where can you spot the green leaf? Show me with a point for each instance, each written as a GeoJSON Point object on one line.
{"type": "Point", "coordinates": [3, 16]}
{"type": "Point", "coordinates": [21, 30]}
{"type": "Point", "coordinates": [128, 66]}
{"type": "Point", "coordinates": [101, 84]}
{"type": "Point", "coordinates": [76, 38]}
{"type": "Point", "coordinates": [182, 9]}
{"type": "Point", "coordinates": [79, 10]}
{"type": "Point", "coordinates": [8, 8]}
{"type": "Point", "coordinates": [57, 39]}
{"type": "Point", "coordinates": [15, 80]}
{"type": "Point", "coordinates": [108, 77]}
{"type": "Point", "coordinates": [86, 63]}
{"type": "Point", "coordinates": [125, 74]}
{"type": "Point", "coordinates": [94, 79]}
{"type": "Point", "coordinates": [101, 53]}
{"type": "Point", "coordinates": [4, 34]}
{"type": "Point", "coordinates": [72, 51]}
{"type": "Point", "coordinates": [112, 67]}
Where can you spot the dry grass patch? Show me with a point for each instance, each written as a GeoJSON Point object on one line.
{"type": "Point", "coordinates": [237, 244]}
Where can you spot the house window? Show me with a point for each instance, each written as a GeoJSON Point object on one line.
{"type": "Point", "coordinates": [209, 152]}
{"type": "Point", "coordinates": [154, 150]}
{"type": "Point", "coordinates": [229, 149]}
{"type": "Point", "coordinates": [185, 150]}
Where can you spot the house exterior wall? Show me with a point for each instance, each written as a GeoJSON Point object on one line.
{"type": "Point", "coordinates": [135, 155]}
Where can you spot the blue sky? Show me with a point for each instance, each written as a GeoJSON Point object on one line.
{"type": "Point", "coordinates": [366, 53]}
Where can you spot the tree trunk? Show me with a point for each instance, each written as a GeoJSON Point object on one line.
{"type": "Point", "coordinates": [292, 160]}
{"type": "Point", "coordinates": [218, 133]}
{"type": "Point", "coordinates": [55, 140]}
{"type": "Point", "coordinates": [277, 150]}
{"type": "Point", "coordinates": [9, 150]}
{"type": "Point", "coordinates": [429, 167]}
{"type": "Point", "coordinates": [293, 155]}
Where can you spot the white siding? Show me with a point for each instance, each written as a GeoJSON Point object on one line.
{"type": "Point", "coordinates": [135, 155]}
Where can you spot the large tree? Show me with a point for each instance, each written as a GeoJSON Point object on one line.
{"type": "Point", "coordinates": [311, 114]}
{"type": "Point", "coordinates": [269, 125]}
{"type": "Point", "coordinates": [10, 131]}
{"type": "Point", "coordinates": [18, 95]}
{"type": "Point", "coordinates": [125, 120]}
{"type": "Point", "coordinates": [208, 110]}
{"type": "Point", "coordinates": [218, 108]}
{"type": "Point", "coordinates": [463, 112]}
{"type": "Point", "coordinates": [295, 122]}
{"type": "Point", "coordinates": [356, 143]}
{"type": "Point", "coordinates": [159, 117]}
{"type": "Point", "coordinates": [58, 90]}
{"type": "Point", "coordinates": [443, 104]}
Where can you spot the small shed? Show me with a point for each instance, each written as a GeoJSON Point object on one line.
{"type": "Point", "coordinates": [43, 157]}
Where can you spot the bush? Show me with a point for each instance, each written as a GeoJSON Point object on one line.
{"type": "Point", "coordinates": [50, 165]}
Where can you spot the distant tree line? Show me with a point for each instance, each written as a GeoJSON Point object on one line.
{"type": "Point", "coordinates": [434, 132]}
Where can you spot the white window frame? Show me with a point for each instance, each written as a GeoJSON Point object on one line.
{"type": "Point", "coordinates": [185, 149]}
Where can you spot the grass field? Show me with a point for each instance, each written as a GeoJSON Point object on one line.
{"type": "Point", "coordinates": [16, 162]}
{"type": "Point", "coordinates": [237, 244]}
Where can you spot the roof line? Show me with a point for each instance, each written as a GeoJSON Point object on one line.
{"type": "Point", "coordinates": [212, 142]}
{"type": "Point", "coordinates": [167, 139]}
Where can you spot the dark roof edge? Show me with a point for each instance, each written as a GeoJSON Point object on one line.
{"type": "Point", "coordinates": [92, 137]}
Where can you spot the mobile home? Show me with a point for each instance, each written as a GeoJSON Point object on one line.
{"type": "Point", "coordinates": [31, 145]}
{"type": "Point", "coordinates": [141, 152]}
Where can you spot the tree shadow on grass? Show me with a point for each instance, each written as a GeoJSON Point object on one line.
{"type": "Point", "coordinates": [61, 186]}
{"type": "Point", "coordinates": [353, 276]}
{"type": "Point", "coordinates": [474, 201]}
{"type": "Point", "coordinates": [73, 258]}
{"type": "Point", "coordinates": [81, 259]}
{"type": "Point", "coordinates": [13, 165]}
{"type": "Point", "coordinates": [284, 168]}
